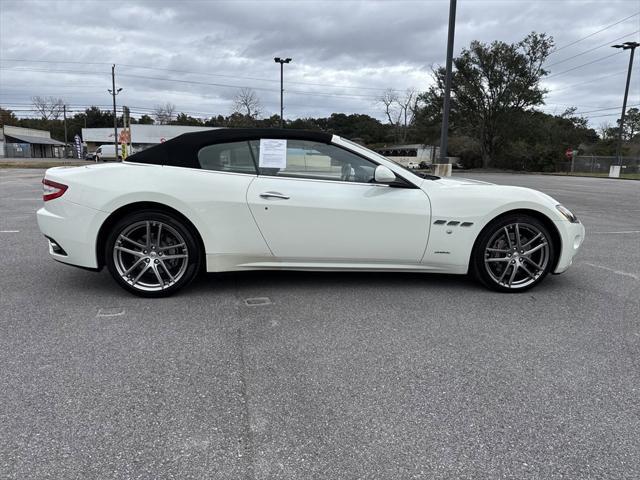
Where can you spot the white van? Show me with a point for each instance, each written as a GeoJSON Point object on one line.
{"type": "Point", "coordinates": [107, 152]}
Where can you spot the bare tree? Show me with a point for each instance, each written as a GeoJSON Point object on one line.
{"type": "Point", "coordinates": [389, 100]}
{"type": "Point", "coordinates": [409, 107]}
{"type": "Point", "coordinates": [49, 108]}
{"type": "Point", "coordinates": [247, 103]}
{"type": "Point", "coordinates": [400, 110]}
{"type": "Point", "coordinates": [606, 131]}
{"type": "Point", "coordinates": [164, 113]}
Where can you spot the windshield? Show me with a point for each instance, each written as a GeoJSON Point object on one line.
{"type": "Point", "coordinates": [376, 154]}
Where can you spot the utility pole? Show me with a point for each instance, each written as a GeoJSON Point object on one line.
{"type": "Point", "coordinates": [281, 61]}
{"type": "Point", "coordinates": [113, 93]}
{"type": "Point", "coordinates": [64, 116]}
{"type": "Point", "coordinates": [625, 46]}
{"type": "Point", "coordinates": [444, 134]}
{"type": "Point", "coordinates": [126, 126]}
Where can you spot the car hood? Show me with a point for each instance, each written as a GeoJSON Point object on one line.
{"type": "Point", "coordinates": [454, 182]}
{"type": "Point", "coordinates": [468, 190]}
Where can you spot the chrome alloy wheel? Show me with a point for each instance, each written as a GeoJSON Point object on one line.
{"type": "Point", "coordinates": [517, 255]}
{"type": "Point", "coordinates": [150, 255]}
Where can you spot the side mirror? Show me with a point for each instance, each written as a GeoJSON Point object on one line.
{"type": "Point", "coordinates": [383, 174]}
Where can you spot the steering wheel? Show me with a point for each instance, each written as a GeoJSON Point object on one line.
{"type": "Point", "coordinates": [346, 172]}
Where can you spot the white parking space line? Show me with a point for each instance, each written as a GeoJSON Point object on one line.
{"type": "Point", "coordinates": [110, 312]}
{"type": "Point", "coordinates": [617, 272]}
{"type": "Point", "coordinates": [624, 232]}
{"type": "Point", "coordinates": [9, 231]}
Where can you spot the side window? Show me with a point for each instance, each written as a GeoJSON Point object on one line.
{"type": "Point", "coordinates": [307, 159]}
{"type": "Point", "coordinates": [227, 157]}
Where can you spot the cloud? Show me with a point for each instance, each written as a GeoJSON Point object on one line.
{"type": "Point", "coordinates": [197, 54]}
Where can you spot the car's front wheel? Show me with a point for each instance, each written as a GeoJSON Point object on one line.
{"type": "Point", "coordinates": [513, 253]}
{"type": "Point", "coordinates": [152, 254]}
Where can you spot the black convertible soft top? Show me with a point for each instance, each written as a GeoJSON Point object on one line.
{"type": "Point", "coordinates": [182, 151]}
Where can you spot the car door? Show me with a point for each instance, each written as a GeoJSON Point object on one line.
{"type": "Point", "coordinates": [216, 193]}
{"type": "Point", "coordinates": [324, 206]}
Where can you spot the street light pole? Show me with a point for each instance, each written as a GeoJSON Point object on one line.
{"type": "Point", "coordinates": [281, 61]}
{"type": "Point", "coordinates": [444, 134]}
{"type": "Point", "coordinates": [625, 46]}
{"type": "Point", "coordinates": [113, 93]}
{"type": "Point", "coordinates": [64, 115]}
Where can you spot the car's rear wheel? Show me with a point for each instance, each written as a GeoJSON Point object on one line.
{"type": "Point", "coordinates": [152, 254]}
{"type": "Point", "coordinates": [513, 253]}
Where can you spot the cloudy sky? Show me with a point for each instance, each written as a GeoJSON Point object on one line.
{"type": "Point", "coordinates": [198, 54]}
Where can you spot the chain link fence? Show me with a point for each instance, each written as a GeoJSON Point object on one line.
{"type": "Point", "coordinates": [600, 165]}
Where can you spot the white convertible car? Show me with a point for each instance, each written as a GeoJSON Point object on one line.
{"type": "Point", "coordinates": [257, 199]}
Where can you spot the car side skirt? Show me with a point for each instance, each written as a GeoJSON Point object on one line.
{"type": "Point", "coordinates": [227, 263]}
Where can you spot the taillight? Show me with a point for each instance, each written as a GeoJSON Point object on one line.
{"type": "Point", "coordinates": [51, 189]}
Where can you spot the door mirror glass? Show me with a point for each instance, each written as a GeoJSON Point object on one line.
{"type": "Point", "coordinates": [383, 174]}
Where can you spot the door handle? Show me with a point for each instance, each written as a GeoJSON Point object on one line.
{"type": "Point", "coordinates": [274, 195]}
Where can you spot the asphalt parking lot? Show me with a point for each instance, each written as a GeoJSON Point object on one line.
{"type": "Point", "coordinates": [339, 376]}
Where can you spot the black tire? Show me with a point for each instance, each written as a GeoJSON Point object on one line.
{"type": "Point", "coordinates": [121, 253]}
{"type": "Point", "coordinates": [505, 267]}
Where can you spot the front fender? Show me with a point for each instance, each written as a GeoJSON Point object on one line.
{"type": "Point", "coordinates": [461, 211]}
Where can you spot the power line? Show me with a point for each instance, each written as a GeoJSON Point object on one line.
{"type": "Point", "coordinates": [194, 82]}
{"type": "Point", "coordinates": [191, 72]}
{"type": "Point", "coordinates": [592, 49]}
{"type": "Point", "coordinates": [605, 115]}
{"type": "Point", "coordinates": [80, 108]}
{"type": "Point", "coordinates": [573, 85]}
{"type": "Point", "coordinates": [605, 109]}
{"type": "Point", "coordinates": [583, 65]}
{"type": "Point", "coordinates": [573, 105]}
{"type": "Point", "coordinates": [293, 82]}
{"type": "Point", "coordinates": [595, 33]}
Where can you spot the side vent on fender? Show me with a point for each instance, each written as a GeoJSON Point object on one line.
{"type": "Point", "coordinates": [453, 223]}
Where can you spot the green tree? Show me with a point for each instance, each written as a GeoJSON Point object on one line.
{"type": "Point", "coordinates": [145, 120]}
{"type": "Point", "coordinates": [97, 118]}
{"type": "Point", "coordinates": [218, 121]}
{"type": "Point", "coordinates": [631, 124]}
{"type": "Point", "coordinates": [184, 119]}
{"type": "Point", "coordinates": [490, 82]}
{"type": "Point", "coordinates": [538, 141]}
{"type": "Point", "coordinates": [7, 117]}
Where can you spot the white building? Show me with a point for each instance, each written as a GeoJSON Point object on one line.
{"type": "Point", "coordinates": [415, 153]}
{"type": "Point", "coordinates": [142, 136]}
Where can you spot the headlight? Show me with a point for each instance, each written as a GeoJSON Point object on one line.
{"type": "Point", "coordinates": [567, 214]}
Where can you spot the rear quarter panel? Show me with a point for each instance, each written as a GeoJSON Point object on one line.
{"type": "Point", "coordinates": [215, 202]}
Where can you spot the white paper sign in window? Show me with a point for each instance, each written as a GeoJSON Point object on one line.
{"type": "Point", "coordinates": [273, 153]}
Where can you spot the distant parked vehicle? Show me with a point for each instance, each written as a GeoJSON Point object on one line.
{"type": "Point", "coordinates": [107, 152]}
{"type": "Point", "coordinates": [413, 165]}
{"type": "Point", "coordinates": [425, 166]}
